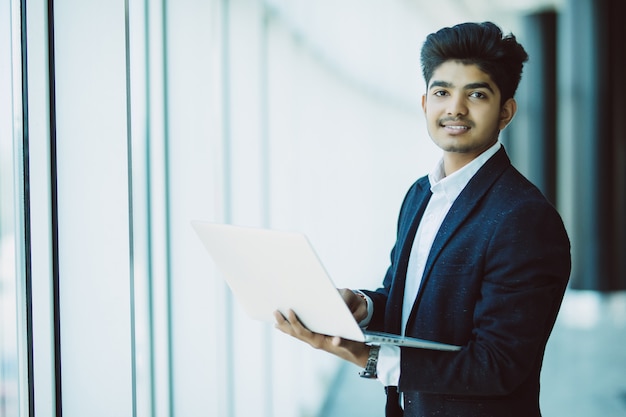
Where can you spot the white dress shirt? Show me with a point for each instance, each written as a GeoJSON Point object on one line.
{"type": "Point", "coordinates": [445, 191]}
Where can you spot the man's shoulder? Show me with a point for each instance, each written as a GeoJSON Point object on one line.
{"type": "Point", "coordinates": [516, 187]}
{"type": "Point", "coordinates": [422, 184]}
{"type": "Point", "coordinates": [417, 191]}
{"type": "Point", "coordinates": [515, 198]}
{"type": "Point", "coordinates": [509, 181]}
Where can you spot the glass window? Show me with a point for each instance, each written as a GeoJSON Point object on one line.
{"type": "Point", "coordinates": [9, 366]}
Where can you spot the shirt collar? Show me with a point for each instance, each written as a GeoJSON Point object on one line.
{"type": "Point", "coordinates": [452, 185]}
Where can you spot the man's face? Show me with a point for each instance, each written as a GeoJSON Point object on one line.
{"type": "Point", "coordinates": [463, 112]}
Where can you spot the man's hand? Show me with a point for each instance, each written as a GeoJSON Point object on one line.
{"type": "Point", "coordinates": [356, 304]}
{"type": "Point", "coordinates": [355, 352]}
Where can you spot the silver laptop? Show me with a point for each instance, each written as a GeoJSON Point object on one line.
{"type": "Point", "coordinates": [269, 270]}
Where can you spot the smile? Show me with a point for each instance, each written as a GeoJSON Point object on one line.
{"type": "Point", "coordinates": [456, 127]}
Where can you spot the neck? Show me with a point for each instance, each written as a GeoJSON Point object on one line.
{"type": "Point", "coordinates": [452, 161]}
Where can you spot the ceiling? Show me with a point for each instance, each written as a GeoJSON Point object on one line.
{"type": "Point", "coordinates": [505, 13]}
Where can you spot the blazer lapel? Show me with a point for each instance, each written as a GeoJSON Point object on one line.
{"type": "Point", "coordinates": [414, 211]}
{"type": "Point", "coordinates": [461, 210]}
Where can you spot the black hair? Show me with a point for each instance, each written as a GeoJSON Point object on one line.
{"type": "Point", "coordinates": [481, 44]}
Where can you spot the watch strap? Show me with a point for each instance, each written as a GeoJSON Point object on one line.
{"type": "Point", "coordinates": [371, 365]}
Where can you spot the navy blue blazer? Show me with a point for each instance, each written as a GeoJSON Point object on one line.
{"type": "Point", "coordinates": [493, 284]}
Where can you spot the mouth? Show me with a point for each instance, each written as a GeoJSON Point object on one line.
{"type": "Point", "coordinates": [455, 129]}
{"type": "Point", "coordinates": [455, 126]}
{"type": "Point", "coordinates": [458, 128]}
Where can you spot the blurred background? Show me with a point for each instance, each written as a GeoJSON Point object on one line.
{"type": "Point", "coordinates": [122, 121]}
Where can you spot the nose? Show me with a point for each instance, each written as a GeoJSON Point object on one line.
{"type": "Point", "coordinates": [457, 106]}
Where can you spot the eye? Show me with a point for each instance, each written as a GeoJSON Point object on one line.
{"type": "Point", "coordinates": [478, 94]}
{"type": "Point", "coordinates": [440, 93]}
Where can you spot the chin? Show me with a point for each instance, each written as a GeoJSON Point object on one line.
{"type": "Point", "coordinates": [459, 149]}
{"type": "Point", "coordinates": [451, 145]}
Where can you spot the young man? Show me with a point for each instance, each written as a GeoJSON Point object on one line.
{"type": "Point", "coordinates": [481, 258]}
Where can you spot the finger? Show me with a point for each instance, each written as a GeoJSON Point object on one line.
{"type": "Point", "coordinates": [355, 302]}
{"type": "Point", "coordinates": [282, 323]}
{"type": "Point", "coordinates": [349, 298]}
{"type": "Point", "coordinates": [346, 294]}
{"type": "Point", "coordinates": [278, 316]}
{"type": "Point", "coordinates": [297, 325]}
{"type": "Point", "coordinates": [300, 331]}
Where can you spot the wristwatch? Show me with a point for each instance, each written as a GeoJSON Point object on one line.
{"type": "Point", "coordinates": [370, 367]}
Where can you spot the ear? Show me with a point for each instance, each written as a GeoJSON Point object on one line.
{"type": "Point", "coordinates": [424, 102]}
{"type": "Point", "coordinates": [507, 111]}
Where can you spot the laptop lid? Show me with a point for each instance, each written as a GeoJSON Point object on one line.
{"type": "Point", "coordinates": [269, 270]}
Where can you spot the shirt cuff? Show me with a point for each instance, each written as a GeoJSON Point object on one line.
{"type": "Point", "coordinates": [370, 310]}
{"type": "Point", "coordinates": [388, 367]}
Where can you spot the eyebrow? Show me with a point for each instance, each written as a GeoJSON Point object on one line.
{"type": "Point", "coordinates": [469, 86]}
